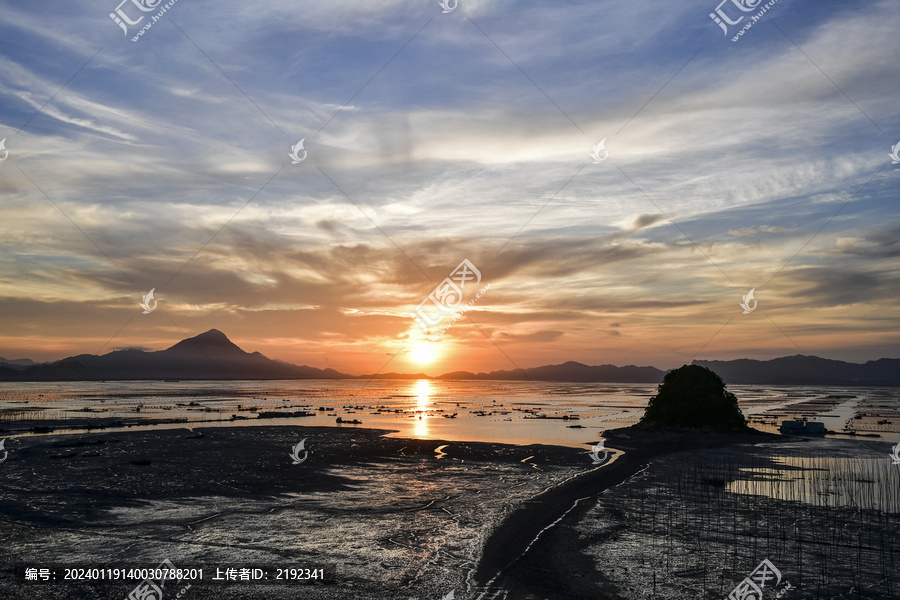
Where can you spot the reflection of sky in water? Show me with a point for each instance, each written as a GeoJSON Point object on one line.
{"type": "Point", "coordinates": [866, 483]}
{"type": "Point", "coordinates": [489, 411]}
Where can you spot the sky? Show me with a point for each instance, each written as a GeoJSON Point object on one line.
{"type": "Point", "coordinates": [433, 137]}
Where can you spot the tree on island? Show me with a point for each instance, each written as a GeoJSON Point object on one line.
{"type": "Point", "coordinates": [694, 396]}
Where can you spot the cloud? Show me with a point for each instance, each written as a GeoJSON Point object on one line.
{"type": "Point", "coordinates": [745, 231]}
{"type": "Point", "coordinates": [835, 286]}
{"type": "Point", "coordinates": [431, 144]}
{"type": "Point", "coordinates": [534, 337]}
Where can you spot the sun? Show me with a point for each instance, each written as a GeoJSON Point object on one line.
{"type": "Point", "coordinates": [423, 353]}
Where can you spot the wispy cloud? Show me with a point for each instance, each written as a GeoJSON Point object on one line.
{"type": "Point", "coordinates": [167, 155]}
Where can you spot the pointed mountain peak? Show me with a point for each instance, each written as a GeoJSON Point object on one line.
{"type": "Point", "coordinates": [212, 341]}
{"type": "Point", "coordinates": [213, 335]}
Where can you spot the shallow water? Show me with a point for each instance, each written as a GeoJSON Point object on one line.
{"type": "Point", "coordinates": [842, 481]}
{"type": "Point", "coordinates": [488, 411]}
{"type": "Point", "coordinates": [693, 525]}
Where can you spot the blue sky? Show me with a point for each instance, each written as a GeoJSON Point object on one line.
{"type": "Point", "coordinates": [432, 137]}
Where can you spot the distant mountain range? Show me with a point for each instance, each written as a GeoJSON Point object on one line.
{"type": "Point", "coordinates": [20, 362]}
{"type": "Point", "coordinates": [570, 371]}
{"type": "Point", "coordinates": [800, 370]}
{"type": "Point", "coordinates": [212, 355]}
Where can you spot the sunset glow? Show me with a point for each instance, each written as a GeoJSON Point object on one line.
{"type": "Point", "coordinates": [163, 176]}
{"type": "Point", "coordinates": [449, 299]}
{"type": "Point", "coordinates": [424, 353]}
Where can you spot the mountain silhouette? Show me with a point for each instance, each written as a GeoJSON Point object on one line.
{"type": "Point", "coordinates": [19, 363]}
{"type": "Point", "coordinates": [806, 370]}
{"type": "Point", "coordinates": [210, 355]}
{"type": "Point", "coordinates": [570, 371]}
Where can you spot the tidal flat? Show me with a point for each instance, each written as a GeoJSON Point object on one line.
{"type": "Point", "coordinates": [669, 515]}
{"type": "Point", "coordinates": [384, 517]}
{"type": "Point", "coordinates": [825, 513]}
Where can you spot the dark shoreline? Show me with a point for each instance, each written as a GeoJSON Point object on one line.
{"type": "Point", "coordinates": [232, 495]}
{"type": "Point", "coordinates": [56, 485]}
{"type": "Point", "coordinates": [531, 553]}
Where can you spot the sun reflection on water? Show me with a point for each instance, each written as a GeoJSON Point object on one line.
{"type": "Point", "coordinates": [423, 402]}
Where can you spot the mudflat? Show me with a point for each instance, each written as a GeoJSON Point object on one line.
{"type": "Point", "coordinates": [534, 553]}
{"type": "Point", "coordinates": [392, 518]}
{"type": "Point", "coordinates": [381, 517]}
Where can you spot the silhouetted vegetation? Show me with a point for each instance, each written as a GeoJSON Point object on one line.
{"type": "Point", "coordinates": [694, 396]}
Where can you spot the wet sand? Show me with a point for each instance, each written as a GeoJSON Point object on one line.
{"type": "Point", "coordinates": [694, 525]}
{"type": "Point", "coordinates": [534, 554]}
{"type": "Point", "coordinates": [390, 518]}
{"type": "Point", "coordinates": [689, 516]}
{"type": "Point", "coordinates": [384, 517]}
